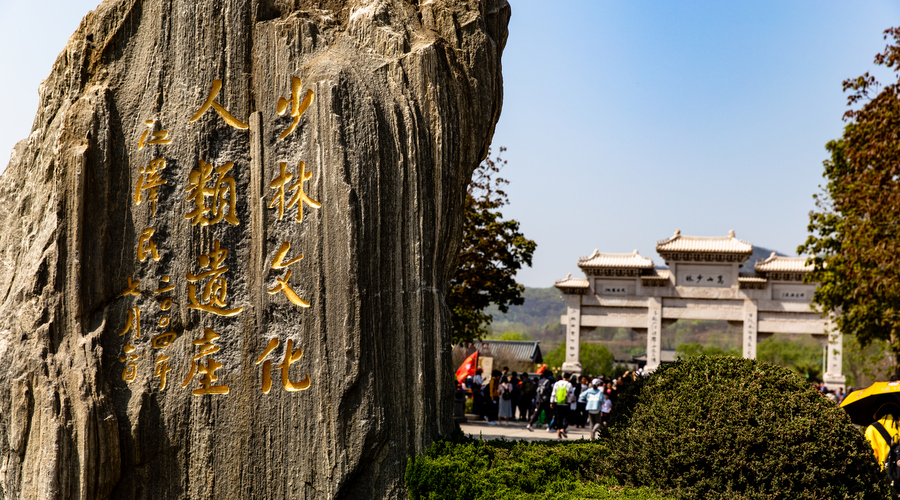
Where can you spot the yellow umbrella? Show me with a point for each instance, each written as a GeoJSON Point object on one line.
{"type": "Point", "coordinates": [861, 405]}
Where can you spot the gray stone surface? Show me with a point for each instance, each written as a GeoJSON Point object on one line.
{"type": "Point", "coordinates": [406, 95]}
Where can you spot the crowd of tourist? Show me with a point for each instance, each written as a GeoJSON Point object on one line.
{"type": "Point", "coordinates": [836, 396]}
{"type": "Point", "coordinates": [570, 400]}
{"type": "Point", "coordinates": [542, 399]}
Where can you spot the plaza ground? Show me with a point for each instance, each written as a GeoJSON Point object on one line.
{"type": "Point", "coordinates": [515, 431]}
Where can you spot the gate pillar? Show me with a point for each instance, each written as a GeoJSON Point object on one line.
{"type": "Point", "coordinates": [572, 363]}
{"type": "Point", "coordinates": [834, 370]}
{"type": "Point", "coordinates": [751, 316]}
{"type": "Point", "coordinates": [654, 333]}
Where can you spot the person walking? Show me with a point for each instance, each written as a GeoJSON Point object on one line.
{"type": "Point", "coordinates": [561, 401]}
{"type": "Point", "coordinates": [593, 398]}
{"type": "Point", "coordinates": [543, 393]}
{"type": "Point", "coordinates": [516, 392]}
{"type": "Point", "coordinates": [574, 416]}
{"type": "Point", "coordinates": [506, 395]}
{"type": "Point", "coordinates": [493, 398]}
{"type": "Point", "coordinates": [881, 433]}
{"type": "Point", "coordinates": [605, 409]}
{"type": "Point", "coordinates": [526, 401]}
{"type": "Point", "coordinates": [583, 418]}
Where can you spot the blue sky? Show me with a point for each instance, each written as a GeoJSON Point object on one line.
{"type": "Point", "coordinates": [624, 120]}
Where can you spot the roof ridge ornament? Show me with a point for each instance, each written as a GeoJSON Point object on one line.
{"type": "Point", "coordinates": [731, 233]}
{"type": "Point", "coordinates": [677, 232]}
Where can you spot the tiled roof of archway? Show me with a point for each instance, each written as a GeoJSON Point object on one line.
{"type": "Point", "coordinates": [707, 244]}
{"type": "Point", "coordinates": [657, 274]}
{"type": "Point", "coordinates": [632, 260]}
{"type": "Point", "coordinates": [571, 282]}
{"type": "Point", "coordinates": [780, 263]}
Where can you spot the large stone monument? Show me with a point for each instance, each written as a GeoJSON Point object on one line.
{"type": "Point", "coordinates": [703, 280]}
{"type": "Point", "coordinates": [226, 243]}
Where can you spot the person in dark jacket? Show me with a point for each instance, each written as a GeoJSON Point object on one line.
{"type": "Point", "coordinates": [542, 398]}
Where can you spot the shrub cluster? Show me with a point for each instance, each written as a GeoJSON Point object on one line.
{"type": "Point", "coordinates": [468, 469]}
{"type": "Point", "coordinates": [724, 427]}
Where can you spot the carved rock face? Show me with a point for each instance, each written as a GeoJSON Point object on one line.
{"type": "Point", "coordinates": [226, 246]}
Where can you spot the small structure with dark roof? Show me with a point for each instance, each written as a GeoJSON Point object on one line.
{"type": "Point", "coordinates": [519, 355]}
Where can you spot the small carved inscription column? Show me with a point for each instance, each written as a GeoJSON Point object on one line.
{"type": "Point", "coordinates": [654, 333]}
{"type": "Point", "coordinates": [573, 334]}
{"type": "Point", "coordinates": [751, 316]}
{"type": "Point", "coordinates": [834, 372]}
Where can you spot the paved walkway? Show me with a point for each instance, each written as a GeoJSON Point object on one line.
{"type": "Point", "coordinates": [515, 431]}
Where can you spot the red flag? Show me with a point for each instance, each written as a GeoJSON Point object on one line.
{"type": "Point", "coordinates": [541, 369]}
{"type": "Point", "coordinates": [468, 367]}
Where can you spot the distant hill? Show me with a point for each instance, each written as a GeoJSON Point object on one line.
{"type": "Point", "coordinates": [538, 318]}
{"type": "Point", "coordinates": [541, 305]}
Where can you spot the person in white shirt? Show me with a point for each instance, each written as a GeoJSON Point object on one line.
{"type": "Point", "coordinates": [559, 402]}
{"type": "Point", "coordinates": [605, 410]}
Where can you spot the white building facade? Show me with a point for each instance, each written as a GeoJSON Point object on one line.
{"type": "Point", "coordinates": [704, 280]}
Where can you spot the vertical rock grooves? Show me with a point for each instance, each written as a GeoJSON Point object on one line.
{"type": "Point", "coordinates": [406, 97]}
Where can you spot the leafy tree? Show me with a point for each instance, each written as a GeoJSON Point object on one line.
{"type": "Point", "coordinates": [511, 336]}
{"type": "Point", "coordinates": [855, 234]}
{"type": "Point", "coordinates": [802, 354]}
{"type": "Point", "coordinates": [596, 359]}
{"type": "Point", "coordinates": [493, 250]}
{"type": "Point", "coordinates": [555, 357]}
{"type": "Point", "coordinates": [864, 365]}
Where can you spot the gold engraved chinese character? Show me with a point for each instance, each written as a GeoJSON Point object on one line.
{"type": "Point", "coordinates": [160, 137]}
{"type": "Point", "coordinates": [299, 198]}
{"type": "Point", "coordinates": [289, 357]}
{"type": "Point", "coordinates": [298, 107]}
{"type": "Point", "coordinates": [278, 261]}
{"type": "Point", "coordinates": [150, 179]}
{"type": "Point", "coordinates": [166, 288]}
{"type": "Point", "coordinates": [283, 286]}
{"type": "Point", "coordinates": [216, 289]}
{"type": "Point", "coordinates": [130, 370]}
{"type": "Point", "coordinates": [198, 192]}
{"type": "Point", "coordinates": [133, 323]}
{"type": "Point", "coordinates": [146, 247]}
{"type": "Point", "coordinates": [210, 102]}
{"type": "Point", "coordinates": [206, 349]}
{"type": "Point", "coordinates": [132, 288]}
{"type": "Point", "coordinates": [162, 368]}
{"type": "Point", "coordinates": [163, 340]}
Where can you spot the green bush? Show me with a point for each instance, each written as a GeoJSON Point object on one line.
{"type": "Point", "coordinates": [723, 427]}
{"type": "Point", "coordinates": [694, 349]}
{"type": "Point", "coordinates": [468, 469]}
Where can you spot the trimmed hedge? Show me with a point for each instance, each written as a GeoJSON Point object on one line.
{"type": "Point", "coordinates": [468, 469]}
{"type": "Point", "coordinates": [723, 427]}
